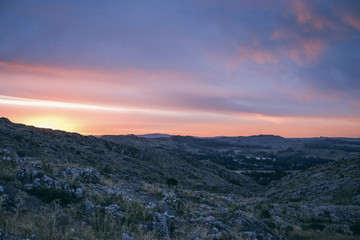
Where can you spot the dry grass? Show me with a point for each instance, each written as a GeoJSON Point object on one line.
{"type": "Point", "coordinates": [310, 235]}
{"type": "Point", "coordinates": [6, 171]}
{"type": "Point", "coordinates": [53, 222]}
{"type": "Point", "coordinates": [56, 222]}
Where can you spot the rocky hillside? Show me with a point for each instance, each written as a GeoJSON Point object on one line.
{"type": "Point", "coordinates": [89, 188]}
{"type": "Point", "coordinates": [60, 185]}
{"type": "Point", "coordinates": [116, 162]}
{"type": "Point", "coordinates": [252, 152]}
{"type": "Point", "coordinates": [334, 183]}
{"type": "Point", "coordinates": [262, 157]}
{"type": "Point", "coordinates": [324, 198]}
{"type": "Point", "coordinates": [255, 147]}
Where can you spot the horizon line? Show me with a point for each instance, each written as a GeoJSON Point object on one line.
{"type": "Point", "coordinates": [171, 135]}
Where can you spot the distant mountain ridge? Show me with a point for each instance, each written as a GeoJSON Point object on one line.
{"type": "Point", "coordinates": [265, 146]}
{"type": "Point", "coordinates": [258, 136]}
{"type": "Point", "coordinates": [154, 135]}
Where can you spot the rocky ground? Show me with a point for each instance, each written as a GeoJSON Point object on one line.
{"type": "Point", "coordinates": [59, 185]}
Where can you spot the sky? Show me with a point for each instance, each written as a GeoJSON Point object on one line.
{"type": "Point", "coordinates": [189, 67]}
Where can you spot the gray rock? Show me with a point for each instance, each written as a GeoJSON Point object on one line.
{"type": "Point", "coordinates": [214, 230]}
{"type": "Point", "coordinates": [238, 213]}
{"type": "Point", "coordinates": [27, 175]}
{"type": "Point", "coordinates": [90, 176]}
{"type": "Point", "coordinates": [5, 236]}
{"type": "Point", "coordinates": [34, 178]}
{"type": "Point", "coordinates": [356, 199]}
{"type": "Point", "coordinates": [210, 219]}
{"type": "Point", "coordinates": [195, 235]}
{"type": "Point", "coordinates": [151, 204]}
{"type": "Point", "coordinates": [214, 234]}
{"type": "Point", "coordinates": [79, 193]}
{"type": "Point", "coordinates": [213, 222]}
{"type": "Point", "coordinates": [250, 234]}
{"type": "Point", "coordinates": [48, 183]}
{"type": "Point", "coordinates": [82, 175]}
{"type": "Point", "coordinates": [89, 207]}
{"type": "Point", "coordinates": [33, 237]}
{"type": "Point", "coordinates": [193, 220]}
{"type": "Point", "coordinates": [126, 236]}
{"type": "Point", "coordinates": [253, 228]}
{"type": "Point", "coordinates": [114, 210]}
{"type": "Point", "coordinates": [161, 225]}
{"type": "Point", "coordinates": [28, 187]}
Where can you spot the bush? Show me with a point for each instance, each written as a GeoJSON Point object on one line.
{"type": "Point", "coordinates": [270, 224]}
{"type": "Point", "coordinates": [171, 182]}
{"type": "Point", "coordinates": [180, 208]}
{"type": "Point", "coordinates": [6, 171]}
{"type": "Point", "coordinates": [265, 214]}
{"type": "Point", "coordinates": [21, 153]}
{"type": "Point", "coordinates": [288, 229]}
{"type": "Point", "coordinates": [356, 228]}
{"type": "Point", "coordinates": [52, 194]}
{"type": "Point", "coordinates": [313, 226]}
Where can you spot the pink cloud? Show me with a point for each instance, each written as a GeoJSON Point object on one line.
{"type": "Point", "coordinates": [279, 34]}
{"type": "Point", "coordinates": [352, 20]}
{"type": "Point", "coordinates": [298, 49]}
{"type": "Point", "coordinates": [126, 75]}
{"type": "Point", "coordinates": [134, 88]}
{"type": "Point", "coordinates": [257, 55]}
{"type": "Point", "coordinates": [312, 48]}
{"type": "Point", "coordinates": [303, 50]}
{"type": "Point", "coordinates": [308, 19]}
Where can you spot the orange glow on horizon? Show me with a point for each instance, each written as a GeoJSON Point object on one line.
{"type": "Point", "coordinates": [94, 120]}
{"type": "Point", "coordinates": [52, 122]}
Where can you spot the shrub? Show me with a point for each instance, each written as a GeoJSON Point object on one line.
{"type": "Point", "coordinates": [21, 153]}
{"type": "Point", "coordinates": [52, 194]}
{"type": "Point", "coordinates": [171, 182]}
{"type": "Point", "coordinates": [313, 226]}
{"type": "Point", "coordinates": [180, 208]}
{"type": "Point", "coordinates": [6, 171]}
{"type": "Point", "coordinates": [107, 170]}
{"type": "Point", "coordinates": [339, 231]}
{"type": "Point", "coordinates": [270, 224]}
{"type": "Point", "coordinates": [265, 214]}
{"type": "Point", "coordinates": [356, 228]}
{"type": "Point", "coordinates": [288, 229]}
{"type": "Point", "coordinates": [135, 213]}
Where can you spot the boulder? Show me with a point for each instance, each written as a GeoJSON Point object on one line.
{"type": "Point", "coordinates": [126, 236]}
{"type": "Point", "coordinates": [161, 225]}
{"type": "Point", "coordinates": [114, 210]}
{"type": "Point", "coordinates": [28, 174]}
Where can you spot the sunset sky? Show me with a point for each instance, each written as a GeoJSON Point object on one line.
{"type": "Point", "coordinates": [187, 67]}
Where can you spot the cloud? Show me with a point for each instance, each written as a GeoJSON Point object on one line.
{"type": "Point", "coordinates": [257, 55]}
{"type": "Point", "coordinates": [353, 21]}
{"type": "Point", "coordinates": [308, 19]}
{"type": "Point", "coordinates": [299, 50]}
